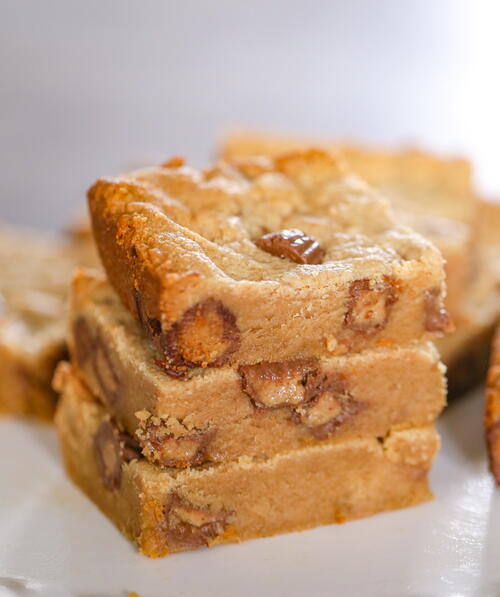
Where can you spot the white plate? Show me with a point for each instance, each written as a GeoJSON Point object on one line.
{"type": "Point", "coordinates": [55, 543]}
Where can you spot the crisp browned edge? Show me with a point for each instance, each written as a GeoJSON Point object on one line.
{"type": "Point", "coordinates": [492, 408]}
{"type": "Point", "coordinates": [141, 289]}
{"type": "Point", "coordinates": [124, 267]}
{"type": "Point", "coordinates": [127, 272]}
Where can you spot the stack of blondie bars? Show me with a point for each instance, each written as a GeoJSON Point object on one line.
{"type": "Point", "coordinates": [258, 359]}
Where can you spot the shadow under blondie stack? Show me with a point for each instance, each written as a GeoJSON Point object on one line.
{"type": "Point", "coordinates": [259, 358]}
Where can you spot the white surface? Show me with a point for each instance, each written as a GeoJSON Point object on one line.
{"type": "Point", "coordinates": [55, 543]}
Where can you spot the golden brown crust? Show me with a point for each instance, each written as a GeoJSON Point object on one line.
{"type": "Point", "coordinates": [172, 240]}
{"type": "Point", "coordinates": [492, 414]}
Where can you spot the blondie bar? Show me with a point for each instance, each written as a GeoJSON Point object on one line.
{"type": "Point", "coordinates": [492, 416]}
{"type": "Point", "coordinates": [432, 195]}
{"type": "Point", "coordinates": [254, 410]}
{"type": "Point", "coordinates": [169, 510]}
{"type": "Point", "coordinates": [265, 260]}
{"type": "Point", "coordinates": [34, 275]}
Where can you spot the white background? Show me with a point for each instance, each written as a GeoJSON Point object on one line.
{"type": "Point", "coordinates": [95, 87]}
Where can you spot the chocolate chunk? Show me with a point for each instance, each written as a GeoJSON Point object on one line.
{"type": "Point", "coordinates": [190, 526]}
{"type": "Point", "coordinates": [292, 244]}
{"type": "Point", "coordinates": [436, 316]}
{"type": "Point", "coordinates": [206, 336]}
{"type": "Point", "coordinates": [162, 447]}
{"type": "Point", "coordinates": [369, 305]}
{"type": "Point", "coordinates": [112, 449]}
{"type": "Point", "coordinates": [273, 385]}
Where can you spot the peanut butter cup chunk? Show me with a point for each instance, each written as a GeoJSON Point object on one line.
{"type": "Point", "coordinates": [162, 446]}
{"type": "Point", "coordinates": [189, 527]}
{"type": "Point", "coordinates": [329, 403]}
{"type": "Point", "coordinates": [273, 385]}
{"type": "Point", "coordinates": [292, 244]}
{"type": "Point", "coordinates": [317, 400]}
{"type": "Point", "coordinates": [206, 336]}
{"type": "Point", "coordinates": [369, 305]}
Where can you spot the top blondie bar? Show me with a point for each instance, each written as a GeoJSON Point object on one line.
{"type": "Point", "coordinates": [432, 194]}
{"type": "Point", "coordinates": [264, 259]}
